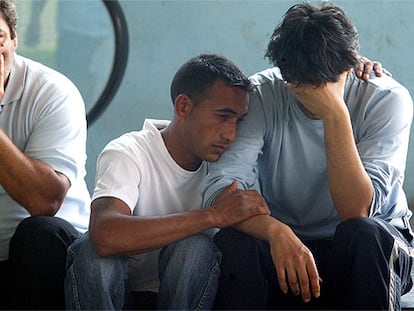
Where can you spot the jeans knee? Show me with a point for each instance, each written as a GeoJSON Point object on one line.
{"type": "Point", "coordinates": [83, 252]}
{"type": "Point", "coordinates": [197, 249]}
{"type": "Point", "coordinates": [357, 226]}
{"type": "Point", "coordinates": [82, 248]}
{"type": "Point", "coordinates": [43, 237]}
{"type": "Point", "coordinates": [364, 233]}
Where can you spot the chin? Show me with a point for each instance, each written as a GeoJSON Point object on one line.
{"type": "Point", "coordinates": [212, 157]}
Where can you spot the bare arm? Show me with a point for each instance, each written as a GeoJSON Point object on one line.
{"type": "Point", "coordinates": [349, 183]}
{"type": "Point", "coordinates": [111, 219]}
{"type": "Point", "coordinates": [294, 262]}
{"type": "Point", "coordinates": [32, 183]}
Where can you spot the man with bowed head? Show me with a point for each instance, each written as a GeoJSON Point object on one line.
{"type": "Point", "coordinates": [42, 169]}
{"type": "Point", "coordinates": [329, 151]}
{"type": "Point", "coordinates": [147, 205]}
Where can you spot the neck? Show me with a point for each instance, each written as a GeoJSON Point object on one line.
{"type": "Point", "coordinates": [177, 148]}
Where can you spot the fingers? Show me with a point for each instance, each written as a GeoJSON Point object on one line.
{"type": "Point", "coordinates": [364, 68]}
{"type": "Point", "coordinates": [231, 187]}
{"type": "Point", "coordinates": [302, 280]}
{"type": "Point", "coordinates": [378, 69]}
{"type": "Point", "coordinates": [359, 68]}
{"type": "Point", "coordinates": [282, 279]}
{"type": "Point", "coordinates": [2, 78]}
{"type": "Point", "coordinates": [257, 202]}
{"type": "Point", "coordinates": [1, 69]}
{"type": "Point", "coordinates": [234, 205]}
{"type": "Point", "coordinates": [386, 72]}
{"type": "Point", "coordinates": [315, 281]}
{"type": "Point", "coordinates": [293, 281]}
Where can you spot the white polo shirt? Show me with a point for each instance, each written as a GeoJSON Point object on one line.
{"type": "Point", "coordinates": [44, 115]}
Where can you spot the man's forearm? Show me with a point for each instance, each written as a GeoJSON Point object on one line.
{"type": "Point", "coordinates": [262, 227]}
{"type": "Point", "coordinates": [31, 183]}
{"type": "Point", "coordinates": [349, 184]}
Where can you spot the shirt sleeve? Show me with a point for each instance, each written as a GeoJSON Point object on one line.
{"type": "Point", "coordinates": [117, 176]}
{"type": "Point", "coordinates": [59, 134]}
{"type": "Point", "coordinates": [382, 143]}
{"type": "Point", "coordinates": [239, 162]}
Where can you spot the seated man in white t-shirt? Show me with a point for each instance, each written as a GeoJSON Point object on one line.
{"type": "Point", "coordinates": [42, 169]}
{"type": "Point", "coordinates": [149, 238]}
{"type": "Point", "coordinates": [146, 204]}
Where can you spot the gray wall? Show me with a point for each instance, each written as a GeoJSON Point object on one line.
{"type": "Point", "coordinates": [164, 34]}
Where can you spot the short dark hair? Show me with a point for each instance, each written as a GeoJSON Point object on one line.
{"type": "Point", "coordinates": [314, 45]}
{"type": "Point", "coordinates": [199, 73]}
{"type": "Point", "coordinates": [9, 14]}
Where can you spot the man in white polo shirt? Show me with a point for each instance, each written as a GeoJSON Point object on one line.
{"type": "Point", "coordinates": [42, 169]}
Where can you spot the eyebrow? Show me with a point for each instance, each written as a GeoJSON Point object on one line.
{"type": "Point", "coordinates": [231, 111]}
{"type": "Point", "coordinates": [227, 110]}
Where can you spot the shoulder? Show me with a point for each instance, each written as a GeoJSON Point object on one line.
{"type": "Point", "coordinates": [138, 143]}
{"type": "Point", "coordinates": [382, 104]}
{"type": "Point", "coordinates": [378, 86]}
{"type": "Point", "coordinates": [267, 76]}
{"type": "Point", "coordinates": [269, 91]}
{"type": "Point", "coordinates": [383, 92]}
{"type": "Point", "coordinates": [39, 77]}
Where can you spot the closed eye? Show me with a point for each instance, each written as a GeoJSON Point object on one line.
{"type": "Point", "coordinates": [223, 116]}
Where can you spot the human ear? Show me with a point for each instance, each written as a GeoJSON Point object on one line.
{"type": "Point", "coordinates": [183, 105]}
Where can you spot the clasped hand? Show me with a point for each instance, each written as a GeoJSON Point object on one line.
{"type": "Point", "coordinates": [234, 205]}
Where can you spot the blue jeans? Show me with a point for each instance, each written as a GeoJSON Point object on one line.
{"type": "Point", "coordinates": [93, 282]}
{"type": "Point", "coordinates": [189, 272]}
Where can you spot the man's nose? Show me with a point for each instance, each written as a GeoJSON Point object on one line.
{"type": "Point", "coordinates": [230, 133]}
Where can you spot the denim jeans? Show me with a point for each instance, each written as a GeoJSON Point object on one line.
{"type": "Point", "coordinates": [93, 282]}
{"type": "Point", "coordinates": [189, 272]}
{"type": "Point", "coordinates": [32, 278]}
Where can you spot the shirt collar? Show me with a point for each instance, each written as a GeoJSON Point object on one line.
{"type": "Point", "coordinates": [15, 84]}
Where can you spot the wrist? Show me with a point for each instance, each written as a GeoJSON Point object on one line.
{"type": "Point", "coordinates": [210, 217]}
{"type": "Point", "coordinates": [276, 230]}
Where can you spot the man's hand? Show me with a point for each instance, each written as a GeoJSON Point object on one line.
{"type": "Point", "coordinates": [365, 66]}
{"type": "Point", "coordinates": [320, 102]}
{"type": "Point", "coordinates": [295, 265]}
{"type": "Point", "coordinates": [234, 205]}
{"type": "Point", "coordinates": [1, 76]}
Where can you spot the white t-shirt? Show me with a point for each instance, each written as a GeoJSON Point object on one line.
{"type": "Point", "coordinates": [138, 169]}
{"type": "Point", "coordinates": [44, 115]}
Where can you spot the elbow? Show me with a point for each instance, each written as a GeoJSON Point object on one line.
{"type": "Point", "coordinates": [101, 250]}
{"type": "Point", "coordinates": [359, 207]}
{"type": "Point", "coordinates": [44, 207]}
{"type": "Point", "coordinates": [355, 211]}
{"type": "Point", "coordinates": [101, 242]}
{"type": "Point", "coordinates": [48, 201]}
{"type": "Point", "coordinates": [347, 216]}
